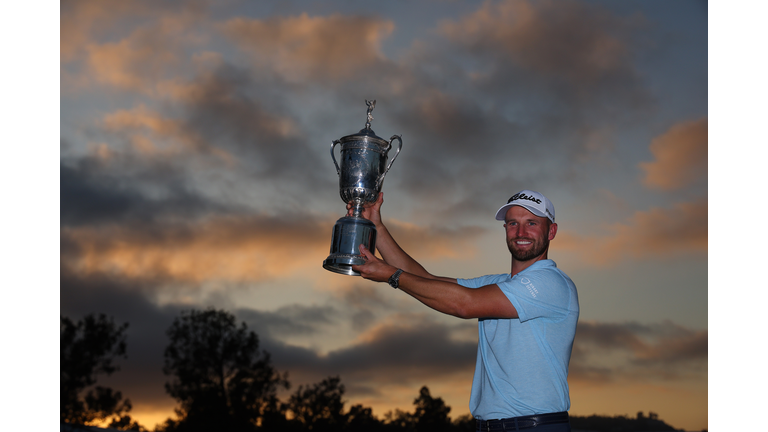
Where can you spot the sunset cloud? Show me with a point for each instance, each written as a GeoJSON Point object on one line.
{"type": "Point", "coordinates": [214, 123]}
{"type": "Point", "coordinates": [146, 57]}
{"type": "Point", "coordinates": [655, 233]}
{"type": "Point", "coordinates": [133, 64]}
{"type": "Point", "coordinates": [152, 134]}
{"type": "Point", "coordinates": [326, 48]}
{"type": "Point", "coordinates": [82, 20]}
{"type": "Point", "coordinates": [235, 249]}
{"type": "Point", "coordinates": [571, 40]}
{"type": "Point", "coordinates": [139, 61]}
{"type": "Point", "coordinates": [681, 156]}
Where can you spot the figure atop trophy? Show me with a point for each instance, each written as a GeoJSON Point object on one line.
{"type": "Point", "coordinates": [371, 106]}
{"type": "Point", "coordinates": [363, 167]}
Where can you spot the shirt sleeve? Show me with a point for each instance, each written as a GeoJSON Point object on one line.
{"type": "Point", "coordinates": [538, 294]}
{"type": "Point", "coordinates": [478, 281]}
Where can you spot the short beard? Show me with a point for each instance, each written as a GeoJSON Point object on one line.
{"type": "Point", "coordinates": [535, 252]}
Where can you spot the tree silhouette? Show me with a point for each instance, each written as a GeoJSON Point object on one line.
{"type": "Point", "coordinates": [88, 349]}
{"type": "Point", "coordinates": [319, 407]}
{"type": "Point", "coordinates": [465, 423]}
{"type": "Point", "coordinates": [360, 418]}
{"type": "Point", "coordinates": [431, 413]}
{"type": "Point", "coordinates": [219, 376]}
{"type": "Point", "coordinates": [621, 423]}
{"type": "Point", "coordinates": [399, 420]}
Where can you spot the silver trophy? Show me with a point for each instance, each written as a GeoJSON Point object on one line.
{"type": "Point", "coordinates": [362, 171]}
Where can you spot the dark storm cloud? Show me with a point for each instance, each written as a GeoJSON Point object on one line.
{"type": "Point", "coordinates": [422, 350]}
{"type": "Point", "coordinates": [658, 351]}
{"type": "Point", "coordinates": [84, 201]}
{"type": "Point", "coordinates": [402, 357]}
{"type": "Point", "coordinates": [91, 192]}
{"type": "Point", "coordinates": [364, 296]}
{"type": "Point", "coordinates": [290, 320]}
{"type": "Point", "coordinates": [391, 354]}
{"type": "Point", "coordinates": [364, 300]}
{"type": "Point", "coordinates": [227, 108]}
{"type": "Point", "coordinates": [574, 54]}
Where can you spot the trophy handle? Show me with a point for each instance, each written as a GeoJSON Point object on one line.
{"type": "Point", "coordinates": [333, 145]}
{"type": "Point", "coordinates": [381, 179]}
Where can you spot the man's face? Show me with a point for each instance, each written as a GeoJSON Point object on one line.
{"type": "Point", "coordinates": [528, 235]}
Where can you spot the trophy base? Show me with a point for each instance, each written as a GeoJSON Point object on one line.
{"type": "Point", "coordinates": [348, 234]}
{"type": "Point", "coordinates": [343, 264]}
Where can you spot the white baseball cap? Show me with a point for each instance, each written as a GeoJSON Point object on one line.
{"type": "Point", "coordinates": [532, 201]}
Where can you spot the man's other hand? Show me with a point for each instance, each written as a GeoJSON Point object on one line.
{"type": "Point", "coordinates": [374, 269]}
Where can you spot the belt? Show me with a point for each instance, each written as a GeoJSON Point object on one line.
{"type": "Point", "coordinates": [522, 422]}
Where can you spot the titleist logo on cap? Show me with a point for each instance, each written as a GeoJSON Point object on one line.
{"type": "Point", "coordinates": [523, 196]}
{"type": "Point", "coordinates": [533, 201]}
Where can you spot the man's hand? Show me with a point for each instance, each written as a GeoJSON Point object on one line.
{"type": "Point", "coordinates": [374, 269]}
{"type": "Point", "coordinates": [371, 211]}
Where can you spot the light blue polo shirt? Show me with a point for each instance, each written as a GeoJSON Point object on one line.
{"type": "Point", "coordinates": [522, 363]}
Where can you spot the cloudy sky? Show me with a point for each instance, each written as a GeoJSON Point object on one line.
{"type": "Point", "coordinates": [195, 172]}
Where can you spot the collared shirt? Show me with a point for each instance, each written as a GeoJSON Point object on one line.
{"type": "Point", "coordinates": [522, 363]}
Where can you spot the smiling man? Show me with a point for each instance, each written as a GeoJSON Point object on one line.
{"type": "Point", "coordinates": [526, 318]}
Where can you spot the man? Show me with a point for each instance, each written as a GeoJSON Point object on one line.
{"type": "Point", "coordinates": [527, 318]}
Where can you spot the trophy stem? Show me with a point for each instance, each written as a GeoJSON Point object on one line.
{"type": "Point", "coordinates": [357, 209]}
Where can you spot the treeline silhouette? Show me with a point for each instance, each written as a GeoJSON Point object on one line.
{"type": "Point", "coordinates": [641, 423]}
{"type": "Point", "coordinates": [224, 382]}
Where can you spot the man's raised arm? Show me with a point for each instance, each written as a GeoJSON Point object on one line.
{"type": "Point", "coordinates": [442, 295]}
{"type": "Point", "coordinates": [390, 251]}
